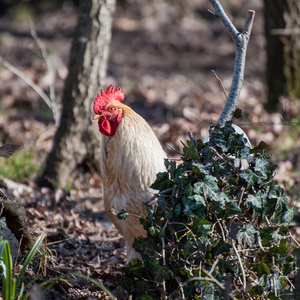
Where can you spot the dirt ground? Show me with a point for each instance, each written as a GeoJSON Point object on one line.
{"type": "Point", "coordinates": [162, 55]}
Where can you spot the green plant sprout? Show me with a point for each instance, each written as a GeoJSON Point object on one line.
{"type": "Point", "coordinates": [13, 287]}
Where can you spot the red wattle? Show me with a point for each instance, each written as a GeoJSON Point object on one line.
{"type": "Point", "coordinates": [107, 127]}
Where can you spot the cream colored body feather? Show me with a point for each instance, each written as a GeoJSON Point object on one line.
{"type": "Point", "coordinates": [130, 161]}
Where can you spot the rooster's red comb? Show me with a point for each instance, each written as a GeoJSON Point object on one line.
{"type": "Point", "coordinates": [110, 95]}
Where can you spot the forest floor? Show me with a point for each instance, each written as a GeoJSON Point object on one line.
{"type": "Point", "coordinates": [162, 55]}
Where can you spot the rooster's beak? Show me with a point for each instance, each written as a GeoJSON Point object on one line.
{"type": "Point", "coordinates": [96, 117]}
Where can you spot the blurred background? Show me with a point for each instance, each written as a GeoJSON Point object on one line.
{"type": "Point", "coordinates": [162, 54]}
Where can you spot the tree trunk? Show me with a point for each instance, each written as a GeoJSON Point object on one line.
{"type": "Point", "coordinates": [282, 23]}
{"type": "Point", "coordinates": [16, 220]}
{"type": "Point", "coordinates": [75, 141]}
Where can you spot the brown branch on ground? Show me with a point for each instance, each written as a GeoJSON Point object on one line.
{"type": "Point", "coordinates": [16, 220]}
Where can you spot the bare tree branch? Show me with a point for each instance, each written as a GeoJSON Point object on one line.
{"type": "Point", "coordinates": [249, 22]}
{"type": "Point", "coordinates": [220, 13]}
{"type": "Point", "coordinates": [241, 40]}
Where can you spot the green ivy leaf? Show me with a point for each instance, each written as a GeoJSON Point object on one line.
{"type": "Point", "coordinates": [162, 182]}
{"type": "Point", "coordinates": [257, 201]}
{"type": "Point", "coordinates": [153, 230]}
{"type": "Point", "coordinates": [209, 154]}
{"type": "Point", "coordinates": [209, 186]}
{"type": "Point", "coordinates": [160, 273]}
{"type": "Point", "coordinates": [222, 142]}
{"type": "Point", "coordinates": [169, 214]}
{"type": "Point", "coordinates": [126, 283]}
{"type": "Point", "coordinates": [237, 163]}
{"type": "Point", "coordinates": [247, 234]}
{"type": "Point", "coordinates": [261, 269]}
{"type": "Point", "coordinates": [232, 208]}
{"type": "Point", "coordinates": [268, 235]}
{"type": "Point", "coordinates": [177, 209]}
{"type": "Point", "coordinates": [141, 244]}
{"type": "Point", "coordinates": [269, 208]}
{"type": "Point", "coordinates": [256, 290]}
{"type": "Point", "coordinates": [222, 248]}
{"type": "Point", "coordinates": [288, 215]}
{"type": "Point", "coordinates": [282, 248]}
{"type": "Point", "coordinates": [220, 170]}
{"type": "Point", "coordinates": [237, 113]}
{"type": "Point", "coordinates": [202, 228]}
{"type": "Point", "coordinates": [259, 148]}
{"type": "Point", "coordinates": [251, 177]}
{"type": "Point", "coordinates": [194, 205]}
{"type": "Point", "coordinates": [122, 215]}
{"type": "Point", "coordinates": [276, 235]}
{"type": "Point", "coordinates": [261, 167]}
{"type": "Point", "coordinates": [245, 151]}
{"type": "Point", "coordinates": [289, 265]}
{"type": "Point", "coordinates": [143, 287]}
{"type": "Point", "coordinates": [190, 247]}
{"type": "Point", "coordinates": [275, 281]}
{"type": "Point", "coordinates": [211, 292]}
{"type": "Point", "coordinates": [199, 168]}
{"type": "Point", "coordinates": [147, 298]}
{"type": "Point", "coordinates": [278, 192]}
{"type": "Point", "coordinates": [189, 151]}
{"type": "Point", "coordinates": [134, 269]}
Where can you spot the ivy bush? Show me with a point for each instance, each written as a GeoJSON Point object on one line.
{"type": "Point", "coordinates": [219, 228]}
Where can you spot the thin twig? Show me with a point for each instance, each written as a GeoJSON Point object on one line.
{"type": "Point", "coordinates": [224, 91]}
{"type": "Point", "coordinates": [211, 12]}
{"type": "Point", "coordinates": [241, 197]}
{"type": "Point", "coordinates": [163, 245]}
{"type": "Point", "coordinates": [241, 265]}
{"type": "Point", "coordinates": [273, 277]}
{"type": "Point", "coordinates": [193, 142]}
{"type": "Point", "coordinates": [50, 70]}
{"type": "Point", "coordinates": [184, 145]}
{"type": "Point", "coordinates": [213, 266]}
{"type": "Point", "coordinates": [162, 193]}
{"type": "Point", "coordinates": [58, 242]}
{"type": "Point", "coordinates": [220, 156]}
{"type": "Point", "coordinates": [166, 191]}
{"type": "Point", "coordinates": [259, 241]}
{"type": "Point", "coordinates": [295, 241]}
{"type": "Point", "coordinates": [27, 80]}
{"type": "Point", "coordinates": [222, 231]}
{"type": "Point", "coordinates": [173, 149]}
{"type": "Point", "coordinates": [17, 255]}
{"type": "Point", "coordinates": [210, 278]}
{"type": "Point", "coordinates": [150, 199]}
{"type": "Point", "coordinates": [174, 190]}
{"type": "Point", "coordinates": [206, 201]}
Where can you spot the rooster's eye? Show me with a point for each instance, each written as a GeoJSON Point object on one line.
{"type": "Point", "coordinates": [111, 109]}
